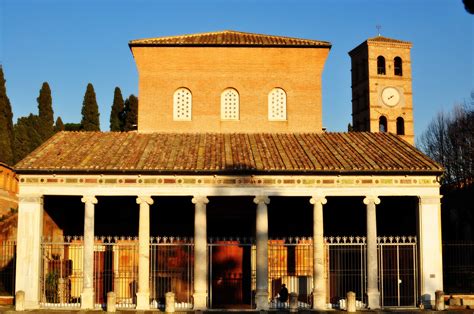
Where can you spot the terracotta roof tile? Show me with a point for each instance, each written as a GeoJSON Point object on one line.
{"type": "Point", "coordinates": [228, 38]}
{"type": "Point", "coordinates": [355, 152]}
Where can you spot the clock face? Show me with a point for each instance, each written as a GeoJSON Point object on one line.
{"type": "Point", "coordinates": [390, 96]}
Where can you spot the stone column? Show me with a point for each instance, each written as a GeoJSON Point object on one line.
{"type": "Point", "coordinates": [200, 252]}
{"type": "Point", "coordinates": [431, 258]}
{"type": "Point", "coordinates": [143, 293]}
{"type": "Point", "coordinates": [373, 293]}
{"type": "Point", "coordinates": [261, 296]}
{"type": "Point", "coordinates": [319, 286]}
{"type": "Point", "coordinates": [28, 258]}
{"type": "Point", "coordinates": [87, 295]}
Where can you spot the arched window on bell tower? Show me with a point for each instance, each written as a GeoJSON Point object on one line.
{"type": "Point", "coordinates": [383, 124]}
{"type": "Point", "coordinates": [380, 65]}
{"type": "Point", "coordinates": [400, 126]}
{"type": "Point", "coordinates": [397, 66]}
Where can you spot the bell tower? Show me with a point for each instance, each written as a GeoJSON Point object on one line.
{"type": "Point", "coordinates": [382, 88]}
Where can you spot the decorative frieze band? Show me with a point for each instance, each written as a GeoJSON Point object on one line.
{"type": "Point", "coordinates": [229, 180]}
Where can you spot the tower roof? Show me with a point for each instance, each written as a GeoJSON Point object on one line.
{"type": "Point", "coordinates": [382, 41]}
{"type": "Point", "coordinates": [230, 38]}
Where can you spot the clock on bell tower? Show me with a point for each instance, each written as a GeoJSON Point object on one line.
{"type": "Point", "coordinates": [382, 88]}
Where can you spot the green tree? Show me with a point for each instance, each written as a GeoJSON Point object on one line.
{"type": "Point", "coordinates": [72, 127]}
{"type": "Point", "coordinates": [27, 137]}
{"type": "Point", "coordinates": [59, 125]}
{"type": "Point", "coordinates": [116, 111]}
{"type": "Point", "coordinates": [6, 124]}
{"type": "Point", "coordinates": [131, 113]}
{"type": "Point", "coordinates": [45, 112]}
{"type": "Point", "coordinates": [90, 111]}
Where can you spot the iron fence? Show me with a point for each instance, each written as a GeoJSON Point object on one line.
{"type": "Point", "coordinates": [458, 267]}
{"type": "Point", "coordinates": [61, 272]}
{"type": "Point", "coordinates": [7, 267]}
{"type": "Point", "coordinates": [116, 269]}
{"type": "Point", "coordinates": [290, 262]}
{"type": "Point", "coordinates": [171, 269]}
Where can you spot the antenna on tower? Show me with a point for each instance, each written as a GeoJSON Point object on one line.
{"type": "Point", "coordinates": [378, 27]}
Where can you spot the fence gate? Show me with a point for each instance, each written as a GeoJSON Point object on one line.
{"type": "Point", "coordinates": [398, 275]}
{"type": "Point", "coordinates": [231, 272]}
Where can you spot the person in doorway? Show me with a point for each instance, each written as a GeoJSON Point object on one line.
{"type": "Point", "coordinates": [283, 294]}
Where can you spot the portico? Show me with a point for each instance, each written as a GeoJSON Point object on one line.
{"type": "Point", "coordinates": [423, 187]}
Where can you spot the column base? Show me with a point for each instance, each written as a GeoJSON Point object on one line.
{"type": "Point", "coordinates": [200, 301]}
{"type": "Point", "coordinates": [373, 300]}
{"type": "Point", "coordinates": [261, 300]}
{"type": "Point", "coordinates": [87, 299]}
{"type": "Point", "coordinates": [143, 301]}
{"type": "Point", "coordinates": [319, 301]}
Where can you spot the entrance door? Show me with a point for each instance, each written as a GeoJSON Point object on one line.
{"type": "Point", "coordinates": [230, 274]}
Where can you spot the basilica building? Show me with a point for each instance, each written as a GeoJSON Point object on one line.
{"type": "Point", "coordinates": [231, 188]}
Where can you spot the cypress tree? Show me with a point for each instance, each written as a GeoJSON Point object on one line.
{"type": "Point", "coordinates": [59, 125]}
{"type": "Point", "coordinates": [27, 137]}
{"type": "Point", "coordinates": [6, 124]}
{"type": "Point", "coordinates": [45, 112]}
{"type": "Point", "coordinates": [116, 111]}
{"type": "Point", "coordinates": [131, 110]}
{"type": "Point", "coordinates": [90, 111]}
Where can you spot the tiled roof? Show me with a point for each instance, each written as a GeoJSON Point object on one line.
{"type": "Point", "coordinates": [355, 152]}
{"type": "Point", "coordinates": [382, 39]}
{"type": "Point", "coordinates": [229, 38]}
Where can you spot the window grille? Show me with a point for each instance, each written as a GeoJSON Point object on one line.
{"type": "Point", "coordinates": [277, 105]}
{"type": "Point", "coordinates": [230, 104]}
{"type": "Point", "coordinates": [182, 105]}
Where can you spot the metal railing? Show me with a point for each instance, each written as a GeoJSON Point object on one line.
{"type": "Point", "coordinates": [171, 269]}
{"type": "Point", "coordinates": [7, 267]}
{"type": "Point", "coordinates": [232, 270]}
{"type": "Point", "coordinates": [458, 267]}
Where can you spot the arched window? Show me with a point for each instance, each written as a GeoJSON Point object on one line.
{"type": "Point", "coordinates": [380, 65]}
{"type": "Point", "coordinates": [400, 126]}
{"type": "Point", "coordinates": [397, 66]}
{"type": "Point", "coordinates": [277, 105]}
{"type": "Point", "coordinates": [383, 124]}
{"type": "Point", "coordinates": [182, 104]}
{"type": "Point", "coordinates": [230, 104]}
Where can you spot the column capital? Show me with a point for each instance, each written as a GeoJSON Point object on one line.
{"type": "Point", "coordinates": [261, 199]}
{"type": "Point", "coordinates": [430, 199]}
{"type": "Point", "coordinates": [318, 199]}
{"type": "Point", "coordinates": [144, 199]}
{"type": "Point", "coordinates": [30, 198]}
{"type": "Point", "coordinates": [89, 199]}
{"type": "Point", "coordinates": [200, 199]}
{"type": "Point", "coordinates": [371, 199]}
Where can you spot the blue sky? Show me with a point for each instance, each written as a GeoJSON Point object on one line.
{"type": "Point", "coordinates": [70, 43]}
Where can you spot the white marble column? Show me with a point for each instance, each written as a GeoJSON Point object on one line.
{"type": "Point", "coordinates": [261, 296]}
{"type": "Point", "coordinates": [319, 286]}
{"type": "Point", "coordinates": [143, 293]}
{"type": "Point", "coordinates": [373, 293]}
{"type": "Point", "coordinates": [431, 258]}
{"type": "Point", "coordinates": [28, 258]}
{"type": "Point", "coordinates": [87, 295]}
{"type": "Point", "coordinates": [200, 252]}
